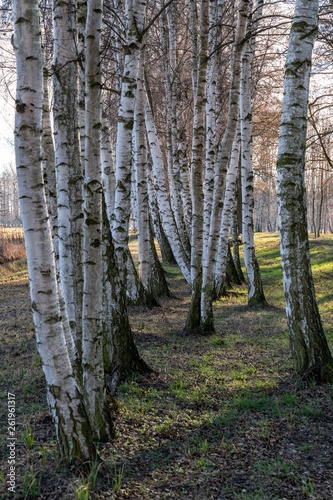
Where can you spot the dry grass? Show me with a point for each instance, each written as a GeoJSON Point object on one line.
{"type": "Point", "coordinates": [11, 245]}
{"type": "Point", "coordinates": [221, 418]}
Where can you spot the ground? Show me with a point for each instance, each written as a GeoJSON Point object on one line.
{"type": "Point", "coordinates": [222, 417]}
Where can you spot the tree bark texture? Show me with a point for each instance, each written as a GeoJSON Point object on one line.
{"type": "Point", "coordinates": [92, 320]}
{"type": "Point", "coordinates": [197, 169]}
{"type": "Point", "coordinates": [256, 297]}
{"type": "Point", "coordinates": [63, 393]}
{"type": "Point", "coordinates": [310, 352]}
{"type": "Point", "coordinates": [67, 162]}
{"type": "Point", "coordinates": [209, 265]}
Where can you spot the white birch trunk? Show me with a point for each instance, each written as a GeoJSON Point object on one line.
{"type": "Point", "coordinates": [68, 165]}
{"type": "Point", "coordinates": [120, 355]}
{"type": "Point", "coordinates": [193, 16]}
{"type": "Point", "coordinates": [235, 241]}
{"type": "Point", "coordinates": [135, 14]}
{"type": "Point", "coordinates": [185, 189]}
{"type": "Point", "coordinates": [64, 398]}
{"type": "Point", "coordinates": [310, 352]}
{"type": "Point", "coordinates": [140, 162]}
{"type": "Point", "coordinates": [109, 181]}
{"type": "Point", "coordinates": [167, 255]}
{"type": "Point", "coordinates": [228, 204]}
{"type": "Point", "coordinates": [168, 63]}
{"type": "Point", "coordinates": [168, 221]}
{"type": "Point", "coordinates": [211, 140]}
{"type": "Point", "coordinates": [256, 297]}
{"type": "Point", "coordinates": [197, 168]}
{"type": "Point", "coordinates": [49, 178]}
{"type": "Point", "coordinates": [92, 324]}
{"type": "Point", "coordinates": [48, 155]}
{"type": "Point", "coordinates": [81, 17]}
{"type": "Point", "coordinates": [207, 324]}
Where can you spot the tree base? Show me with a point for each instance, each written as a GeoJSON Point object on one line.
{"type": "Point", "coordinates": [321, 374]}
{"type": "Point", "coordinates": [258, 302]}
{"type": "Point", "coordinates": [207, 326]}
{"type": "Point", "coordinates": [118, 374]}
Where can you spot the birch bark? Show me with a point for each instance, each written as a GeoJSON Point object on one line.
{"type": "Point", "coordinates": [49, 178]}
{"type": "Point", "coordinates": [67, 162]}
{"type": "Point", "coordinates": [64, 398]}
{"type": "Point", "coordinates": [135, 16]}
{"type": "Point", "coordinates": [207, 323]}
{"type": "Point", "coordinates": [193, 17]}
{"type": "Point", "coordinates": [121, 357]}
{"type": "Point", "coordinates": [141, 188]}
{"type": "Point", "coordinates": [150, 270]}
{"type": "Point", "coordinates": [222, 253]}
{"type": "Point", "coordinates": [49, 175]}
{"type": "Point", "coordinates": [168, 45]}
{"type": "Point", "coordinates": [168, 221]}
{"type": "Point", "coordinates": [92, 321]}
{"type": "Point", "coordinates": [81, 17]}
{"type": "Point", "coordinates": [211, 111]}
{"type": "Point", "coordinates": [235, 241]}
{"type": "Point", "coordinates": [108, 171]}
{"type": "Point", "coordinates": [167, 255]}
{"type": "Point", "coordinates": [256, 297]}
{"type": "Point", "coordinates": [311, 356]}
{"type": "Point", "coordinates": [197, 168]}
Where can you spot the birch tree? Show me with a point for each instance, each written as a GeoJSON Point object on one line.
{"type": "Point", "coordinates": [141, 187]}
{"type": "Point", "coordinates": [168, 221]}
{"type": "Point", "coordinates": [197, 168]}
{"type": "Point", "coordinates": [63, 393]}
{"type": "Point", "coordinates": [49, 175]}
{"type": "Point", "coordinates": [166, 252]}
{"type": "Point", "coordinates": [256, 295]}
{"type": "Point", "coordinates": [92, 320]}
{"type": "Point", "coordinates": [235, 241]}
{"type": "Point", "coordinates": [67, 163]}
{"type": "Point", "coordinates": [311, 356]}
{"type": "Point", "coordinates": [222, 253]}
{"type": "Point", "coordinates": [207, 324]}
{"type": "Point", "coordinates": [168, 46]}
{"type": "Point", "coordinates": [214, 39]}
{"type": "Point", "coordinates": [135, 19]}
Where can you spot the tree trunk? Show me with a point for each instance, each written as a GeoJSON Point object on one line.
{"type": "Point", "coordinates": [135, 15]}
{"type": "Point", "coordinates": [197, 168]}
{"type": "Point", "coordinates": [235, 241]}
{"type": "Point", "coordinates": [141, 188]}
{"type": "Point", "coordinates": [211, 112]}
{"type": "Point", "coordinates": [121, 357]}
{"type": "Point", "coordinates": [207, 322]}
{"type": "Point", "coordinates": [168, 221]}
{"type": "Point", "coordinates": [92, 320]}
{"type": "Point", "coordinates": [311, 356]}
{"type": "Point", "coordinates": [108, 172]}
{"type": "Point", "coordinates": [166, 251]}
{"type": "Point", "coordinates": [68, 165]}
{"type": "Point", "coordinates": [49, 175]}
{"type": "Point", "coordinates": [64, 398]}
{"type": "Point", "coordinates": [256, 297]}
{"type": "Point", "coordinates": [223, 249]}
{"type": "Point", "coordinates": [168, 45]}
{"type": "Point", "coordinates": [160, 286]}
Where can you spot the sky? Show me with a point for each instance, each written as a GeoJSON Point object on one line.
{"type": "Point", "coordinates": [6, 132]}
{"type": "Point", "coordinates": [7, 110]}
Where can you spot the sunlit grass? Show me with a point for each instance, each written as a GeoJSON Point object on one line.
{"type": "Point", "coordinates": [214, 405]}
